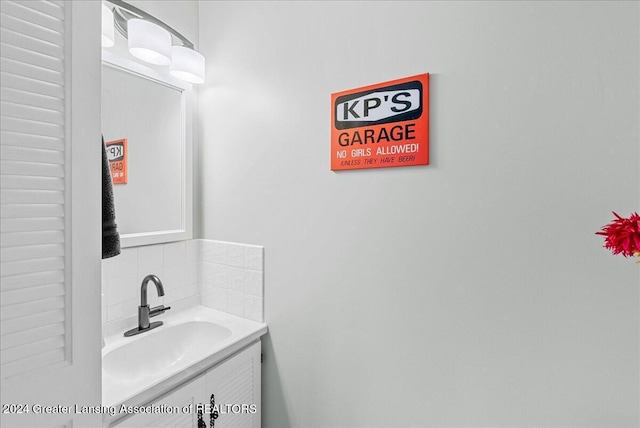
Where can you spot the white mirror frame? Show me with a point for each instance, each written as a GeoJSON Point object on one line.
{"type": "Point", "coordinates": [185, 230]}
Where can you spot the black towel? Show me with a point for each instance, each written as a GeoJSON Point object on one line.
{"type": "Point", "coordinates": [110, 236]}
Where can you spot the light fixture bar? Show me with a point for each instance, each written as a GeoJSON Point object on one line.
{"type": "Point", "coordinates": [123, 11]}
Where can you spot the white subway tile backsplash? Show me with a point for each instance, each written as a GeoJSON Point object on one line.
{"type": "Point", "coordinates": [191, 290]}
{"type": "Point", "coordinates": [232, 279]}
{"type": "Point", "coordinates": [175, 253]}
{"type": "Point", "coordinates": [235, 279]}
{"type": "Point", "coordinates": [253, 308]}
{"type": "Point", "coordinates": [253, 257]}
{"type": "Point", "coordinates": [174, 277]}
{"type": "Point", "coordinates": [205, 272]}
{"type": "Point", "coordinates": [235, 255]}
{"type": "Point", "coordinates": [175, 295]}
{"type": "Point", "coordinates": [121, 289]}
{"type": "Point", "coordinates": [213, 274]}
{"type": "Point", "coordinates": [219, 275]}
{"type": "Point", "coordinates": [124, 264]}
{"type": "Point", "coordinates": [193, 250]}
{"type": "Point", "coordinates": [213, 252]}
{"type": "Point", "coordinates": [235, 303]}
{"type": "Point", "coordinates": [215, 297]}
{"type": "Point", "coordinates": [193, 274]}
{"type": "Point", "coordinates": [222, 275]}
{"type": "Point", "coordinates": [253, 281]}
{"type": "Point", "coordinates": [122, 310]}
{"type": "Point", "coordinates": [150, 257]}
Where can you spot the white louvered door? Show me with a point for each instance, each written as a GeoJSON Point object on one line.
{"type": "Point", "coordinates": [50, 213]}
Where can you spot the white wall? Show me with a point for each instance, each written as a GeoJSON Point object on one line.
{"type": "Point", "coordinates": [471, 292]}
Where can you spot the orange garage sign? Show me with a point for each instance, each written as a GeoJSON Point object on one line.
{"type": "Point", "coordinates": [381, 126]}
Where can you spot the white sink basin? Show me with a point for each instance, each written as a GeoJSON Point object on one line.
{"type": "Point", "coordinates": [138, 369]}
{"type": "Point", "coordinates": [168, 347]}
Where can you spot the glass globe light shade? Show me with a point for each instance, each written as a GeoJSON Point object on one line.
{"type": "Point", "coordinates": [187, 64]}
{"type": "Point", "coordinates": [149, 42]}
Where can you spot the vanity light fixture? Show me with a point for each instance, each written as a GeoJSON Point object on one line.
{"type": "Point", "coordinates": [153, 41]}
{"type": "Point", "coordinates": [187, 64]}
{"type": "Point", "coordinates": [108, 35]}
{"type": "Point", "coordinates": [149, 42]}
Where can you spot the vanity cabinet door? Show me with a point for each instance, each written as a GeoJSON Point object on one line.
{"type": "Point", "coordinates": [184, 400]}
{"type": "Point", "coordinates": [235, 385]}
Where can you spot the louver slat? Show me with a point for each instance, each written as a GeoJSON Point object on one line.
{"type": "Point", "coordinates": [19, 10]}
{"type": "Point", "coordinates": [31, 183]}
{"type": "Point", "coordinates": [31, 43]}
{"type": "Point", "coordinates": [27, 126]}
{"type": "Point", "coordinates": [14, 196]}
{"type": "Point", "coordinates": [32, 224]}
{"type": "Point", "coordinates": [30, 141]}
{"type": "Point", "coordinates": [33, 30]}
{"type": "Point", "coordinates": [31, 210]}
{"type": "Point", "coordinates": [28, 154]}
{"type": "Point", "coordinates": [33, 348]}
{"type": "Point", "coordinates": [36, 334]}
{"type": "Point", "coordinates": [18, 239]}
{"type": "Point", "coordinates": [33, 169]}
{"type": "Point", "coordinates": [31, 71]}
{"type": "Point", "coordinates": [26, 112]}
{"type": "Point", "coordinates": [31, 85]}
{"type": "Point", "coordinates": [31, 252]}
{"type": "Point", "coordinates": [24, 324]}
{"type": "Point", "coordinates": [50, 9]}
{"type": "Point", "coordinates": [28, 294]}
{"type": "Point", "coordinates": [34, 284]}
{"type": "Point", "coordinates": [31, 307]}
{"type": "Point", "coordinates": [31, 363]}
{"type": "Point", "coordinates": [32, 265]}
{"type": "Point", "coordinates": [27, 98]}
{"type": "Point", "coordinates": [33, 279]}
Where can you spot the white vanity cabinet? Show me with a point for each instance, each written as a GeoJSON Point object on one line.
{"type": "Point", "coordinates": [181, 398]}
{"type": "Point", "coordinates": [235, 384]}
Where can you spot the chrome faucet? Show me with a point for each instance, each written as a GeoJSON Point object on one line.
{"type": "Point", "coordinates": [144, 312]}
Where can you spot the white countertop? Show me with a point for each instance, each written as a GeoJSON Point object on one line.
{"type": "Point", "coordinates": [141, 390]}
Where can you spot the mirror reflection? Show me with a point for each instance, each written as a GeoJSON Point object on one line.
{"type": "Point", "coordinates": [143, 124]}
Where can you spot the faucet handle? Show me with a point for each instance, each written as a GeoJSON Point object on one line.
{"type": "Point", "coordinates": [158, 310]}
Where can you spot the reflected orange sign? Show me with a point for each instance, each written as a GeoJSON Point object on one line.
{"type": "Point", "coordinates": [117, 156]}
{"type": "Point", "coordinates": [381, 126]}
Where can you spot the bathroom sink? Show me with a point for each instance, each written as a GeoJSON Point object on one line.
{"type": "Point", "coordinates": [167, 348]}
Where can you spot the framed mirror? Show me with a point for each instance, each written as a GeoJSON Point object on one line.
{"type": "Point", "coordinates": [147, 123]}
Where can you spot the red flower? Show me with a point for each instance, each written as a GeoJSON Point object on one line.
{"type": "Point", "coordinates": [622, 235]}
